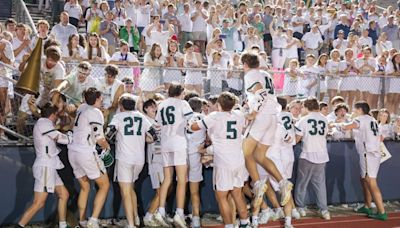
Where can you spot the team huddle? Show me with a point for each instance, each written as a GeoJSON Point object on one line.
{"type": "Point", "coordinates": [247, 144]}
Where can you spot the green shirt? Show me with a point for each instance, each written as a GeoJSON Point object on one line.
{"type": "Point", "coordinates": [124, 35]}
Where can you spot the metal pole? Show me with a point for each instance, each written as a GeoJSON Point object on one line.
{"type": "Point", "coordinates": [14, 133]}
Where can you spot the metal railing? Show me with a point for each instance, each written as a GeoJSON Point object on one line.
{"type": "Point", "coordinates": [22, 15]}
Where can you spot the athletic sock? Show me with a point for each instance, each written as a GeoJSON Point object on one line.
{"type": "Point", "coordinates": [161, 210]}
{"type": "Point", "coordinates": [288, 220]}
{"type": "Point", "coordinates": [254, 219]}
{"type": "Point", "coordinates": [62, 224]}
{"type": "Point", "coordinates": [148, 216]}
{"type": "Point", "coordinates": [179, 211]}
{"type": "Point", "coordinates": [244, 221]}
{"type": "Point", "coordinates": [93, 220]}
{"type": "Point", "coordinates": [229, 226]}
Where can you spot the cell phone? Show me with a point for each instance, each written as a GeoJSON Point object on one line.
{"type": "Point", "coordinates": [222, 36]}
{"type": "Point", "coordinates": [162, 21]}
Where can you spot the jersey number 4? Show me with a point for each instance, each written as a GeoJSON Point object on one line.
{"type": "Point", "coordinates": [128, 129]}
{"type": "Point", "coordinates": [317, 127]}
{"type": "Point", "coordinates": [167, 115]}
{"type": "Point", "coordinates": [374, 128]}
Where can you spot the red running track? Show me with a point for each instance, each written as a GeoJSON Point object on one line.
{"type": "Point", "coordinates": [338, 222]}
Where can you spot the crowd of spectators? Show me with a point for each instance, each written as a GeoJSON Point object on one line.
{"type": "Point", "coordinates": [316, 47]}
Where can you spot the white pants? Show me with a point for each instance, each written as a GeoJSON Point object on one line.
{"type": "Point", "coordinates": [278, 58]}
{"type": "Point", "coordinates": [46, 2]}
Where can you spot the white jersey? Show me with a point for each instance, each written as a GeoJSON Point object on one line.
{"type": "Point", "coordinates": [287, 121]}
{"type": "Point", "coordinates": [313, 128]}
{"type": "Point", "coordinates": [367, 136]}
{"type": "Point", "coordinates": [154, 149]}
{"type": "Point", "coordinates": [44, 138]}
{"type": "Point", "coordinates": [87, 129]}
{"type": "Point", "coordinates": [172, 115]}
{"type": "Point", "coordinates": [254, 77]}
{"type": "Point", "coordinates": [224, 129]}
{"type": "Point", "coordinates": [196, 138]}
{"type": "Point", "coordinates": [130, 139]}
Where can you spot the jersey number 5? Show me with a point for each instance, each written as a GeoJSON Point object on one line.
{"type": "Point", "coordinates": [167, 115]}
{"type": "Point", "coordinates": [231, 130]}
{"type": "Point", "coordinates": [128, 129]}
{"type": "Point", "coordinates": [315, 125]}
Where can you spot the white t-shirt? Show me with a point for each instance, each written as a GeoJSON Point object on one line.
{"type": "Point", "coordinates": [343, 45]}
{"type": "Point", "coordinates": [312, 40]}
{"type": "Point", "coordinates": [76, 88]}
{"type": "Point", "coordinates": [365, 41]}
{"type": "Point", "coordinates": [119, 20]}
{"type": "Point", "coordinates": [367, 135]}
{"type": "Point", "coordinates": [160, 38]}
{"type": "Point", "coordinates": [131, 129]}
{"type": "Point", "coordinates": [44, 141]}
{"type": "Point", "coordinates": [172, 115]}
{"type": "Point", "coordinates": [196, 138]}
{"type": "Point", "coordinates": [185, 22]}
{"type": "Point", "coordinates": [298, 28]}
{"type": "Point", "coordinates": [361, 62]}
{"type": "Point", "coordinates": [224, 129]}
{"type": "Point", "coordinates": [143, 15]}
{"type": "Point", "coordinates": [313, 128]}
{"type": "Point", "coordinates": [88, 126]}
{"type": "Point", "coordinates": [80, 51]}
{"type": "Point", "coordinates": [199, 24]}
{"type": "Point", "coordinates": [332, 67]}
{"type": "Point", "coordinates": [118, 56]}
{"type": "Point", "coordinates": [74, 10]}
{"type": "Point", "coordinates": [16, 43]}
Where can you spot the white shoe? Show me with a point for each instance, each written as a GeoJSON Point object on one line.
{"type": "Point", "coordinates": [302, 212]}
{"type": "Point", "coordinates": [92, 224]}
{"type": "Point", "coordinates": [264, 216]}
{"type": "Point", "coordinates": [288, 226]}
{"type": "Point", "coordinates": [161, 220]}
{"type": "Point", "coordinates": [150, 222]}
{"type": "Point", "coordinates": [279, 214]}
{"type": "Point", "coordinates": [179, 221]}
{"type": "Point", "coordinates": [295, 214]}
{"type": "Point", "coordinates": [326, 215]}
{"type": "Point", "coordinates": [259, 189]}
{"type": "Point", "coordinates": [137, 221]}
{"type": "Point", "coordinates": [219, 218]}
{"type": "Point", "coordinates": [83, 223]}
{"type": "Point", "coordinates": [196, 222]}
{"type": "Point", "coordinates": [286, 191]}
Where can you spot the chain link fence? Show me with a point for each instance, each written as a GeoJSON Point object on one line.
{"type": "Point", "coordinates": [213, 81]}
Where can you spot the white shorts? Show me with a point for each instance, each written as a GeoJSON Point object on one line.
{"type": "Point", "coordinates": [156, 173]}
{"type": "Point", "coordinates": [171, 76]}
{"type": "Point", "coordinates": [333, 82]}
{"type": "Point", "coordinates": [369, 164]}
{"type": "Point", "coordinates": [86, 164]}
{"type": "Point", "coordinates": [349, 83]}
{"type": "Point", "coordinates": [174, 158]}
{"type": "Point", "coordinates": [393, 85]}
{"type": "Point", "coordinates": [46, 179]}
{"type": "Point", "coordinates": [126, 173]}
{"type": "Point", "coordinates": [225, 179]}
{"type": "Point", "coordinates": [290, 86]}
{"type": "Point", "coordinates": [322, 86]}
{"type": "Point", "coordinates": [195, 168]}
{"type": "Point", "coordinates": [263, 128]}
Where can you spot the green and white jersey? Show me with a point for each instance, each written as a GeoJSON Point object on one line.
{"type": "Point", "coordinates": [130, 139]}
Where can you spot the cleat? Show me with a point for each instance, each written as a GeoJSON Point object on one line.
{"type": "Point", "coordinates": [326, 215]}
{"type": "Point", "coordinates": [364, 210]}
{"type": "Point", "coordinates": [161, 220]}
{"type": "Point", "coordinates": [302, 212]}
{"type": "Point", "coordinates": [379, 216]}
{"type": "Point", "coordinates": [179, 221]}
{"type": "Point", "coordinates": [295, 214]}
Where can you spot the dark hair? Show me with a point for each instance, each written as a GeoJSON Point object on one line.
{"type": "Point", "coordinates": [337, 99]}
{"type": "Point", "coordinates": [91, 95]}
{"type": "Point", "coordinates": [175, 90]}
{"type": "Point", "coordinates": [148, 103]}
{"type": "Point", "coordinates": [311, 104]}
{"type": "Point", "coordinates": [90, 48]}
{"type": "Point", "coordinates": [374, 113]}
{"type": "Point", "coordinates": [10, 21]}
{"type": "Point", "coordinates": [112, 70]}
{"type": "Point", "coordinates": [196, 104]}
{"type": "Point", "coordinates": [69, 45]}
{"type": "Point", "coordinates": [213, 99]}
{"type": "Point", "coordinates": [128, 102]}
{"type": "Point", "coordinates": [364, 106]}
{"type": "Point", "coordinates": [51, 42]}
{"type": "Point", "coordinates": [190, 94]}
{"type": "Point", "coordinates": [188, 44]}
{"type": "Point", "coordinates": [341, 106]}
{"type": "Point", "coordinates": [47, 110]}
{"type": "Point", "coordinates": [251, 60]}
{"type": "Point", "coordinates": [82, 40]}
{"type": "Point", "coordinates": [322, 105]}
{"type": "Point", "coordinates": [153, 51]}
{"type": "Point", "coordinates": [53, 53]}
{"type": "Point", "coordinates": [283, 102]}
{"type": "Point", "coordinates": [227, 100]}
